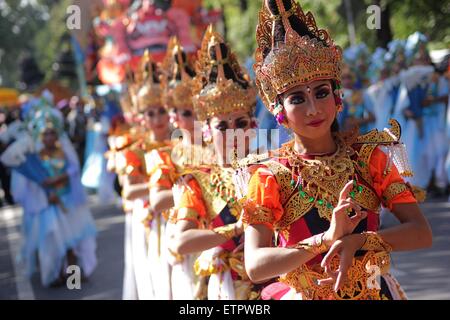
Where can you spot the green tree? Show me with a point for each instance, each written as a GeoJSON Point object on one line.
{"type": "Point", "coordinates": [29, 28]}
{"type": "Point", "coordinates": [399, 19]}
{"type": "Point", "coordinates": [18, 24]}
{"type": "Point", "coordinates": [48, 40]}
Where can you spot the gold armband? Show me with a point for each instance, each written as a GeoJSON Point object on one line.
{"type": "Point", "coordinates": [228, 231]}
{"type": "Point", "coordinates": [317, 245]}
{"type": "Point", "coordinates": [374, 242]}
{"type": "Point", "coordinates": [178, 257]}
{"type": "Point", "coordinates": [254, 213]}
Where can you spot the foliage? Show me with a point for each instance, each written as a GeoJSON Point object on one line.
{"type": "Point", "coordinates": [36, 26]}
{"type": "Point", "coordinates": [407, 16]}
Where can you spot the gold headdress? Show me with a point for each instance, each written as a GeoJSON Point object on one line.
{"type": "Point", "coordinates": [291, 50]}
{"type": "Point", "coordinates": [177, 76]}
{"type": "Point", "coordinates": [220, 86]}
{"type": "Point", "coordinates": [145, 89]}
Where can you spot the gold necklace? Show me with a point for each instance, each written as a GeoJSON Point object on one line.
{"type": "Point", "coordinates": [321, 179]}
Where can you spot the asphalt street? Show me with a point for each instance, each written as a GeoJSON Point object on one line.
{"type": "Point", "coordinates": [423, 274]}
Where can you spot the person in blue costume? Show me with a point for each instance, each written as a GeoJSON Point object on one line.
{"type": "Point", "coordinates": [95, 174]}
{"type": "Point", "coordinates": [381, 90]}
{"type": "Point", "coordinates": [411, 109]}
{"type": "Point", "coordinates": [357, 57]}
{"type": "Point", "coordinates": [59, 227]}
{"type": "Point", "coordinates": [434, 114]}
{"type": "Point", "coordinates": [358, 107]}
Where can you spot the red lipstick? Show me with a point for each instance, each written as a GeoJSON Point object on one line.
{"type": "Point", "coordinates": [316, 123]}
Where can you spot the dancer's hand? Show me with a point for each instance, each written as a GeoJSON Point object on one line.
{"type": "Point", "coordinates": [240, 225]}
{"type": "Point", "coordinates": [341, 223]}
{"type": "Point", "coordinates": [345, 248]}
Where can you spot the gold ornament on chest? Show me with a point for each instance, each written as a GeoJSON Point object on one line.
{"type": "Point", "coordinates": [318, 182]}
{"type": "Point", "coordinates": [218, 191]}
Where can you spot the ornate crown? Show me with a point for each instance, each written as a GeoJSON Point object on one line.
{"type": "Point", "coordinates": [220, 95]}
{"type": "Point", "coordinates": [144, 89]}
{"type": "Point", "coordinates": [298, 59]}
{"type": "Point", "coordinates": [176, 83]}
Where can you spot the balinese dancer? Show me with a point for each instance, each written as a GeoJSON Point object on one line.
{"type": "Point", "coordinates": [300, 198]}
{"type": "Point", "coordinates": [208, 216]}
{"type": "Point", "coordinates": [123, 136]}
{"type": "Point", "coordinates": [165, 165]}
{"type": "Point", "coordinates": [154, 133]}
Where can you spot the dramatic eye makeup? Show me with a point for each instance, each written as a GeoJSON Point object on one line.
{"type": "Point", "coordinates": [221, 126]}
{"type": "Point", "coordinates": [152, 113]}
{"type": "Point", "coordinates": [186, 113]}
{"type": "Point", "coordinates": [321, 92]}
{"type": "Point", "coordinates": [296, 98]}
{"type": "Point", "coordinates": [240, 123]}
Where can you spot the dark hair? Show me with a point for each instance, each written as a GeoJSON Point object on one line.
{"type": "Point", "coordinates": [335, 124]}
{"type": "Point", "coordinates": [228, 70]}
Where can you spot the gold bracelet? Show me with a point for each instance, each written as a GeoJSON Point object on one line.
{"type": "Point", "coordinates": [228, 231]}
{"type": "Point", "coordinates": [317, 246]}
{"type": "Point", "coordinates": [374, 242]}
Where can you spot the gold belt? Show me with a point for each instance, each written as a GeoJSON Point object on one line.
{"type": "Point", "coordinates": [361, 284]}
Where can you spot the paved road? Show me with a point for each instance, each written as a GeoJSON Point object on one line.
{"type": "Point", "coordinates": [106, 281]}
{"type": "Point", "coordinates": [423, 274]}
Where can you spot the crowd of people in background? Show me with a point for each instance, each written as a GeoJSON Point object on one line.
{"type": "Point", "coordinates": [116, 144]}
{"type": "Point", "coordinates": [403, 83]}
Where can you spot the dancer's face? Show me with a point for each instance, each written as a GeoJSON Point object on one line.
{"type": "Point", "coordinates": [221, 137]}
{"type": "Point", "coordinates": [157, 120]}
{"type": "Point", "coordinates": [184, 118]}
{"type": "Point", "coordinates": [310, 109]}
{"type": "Point", "coordinates": [49, 138]}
